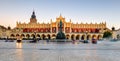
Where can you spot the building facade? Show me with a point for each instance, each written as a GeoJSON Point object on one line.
{"type": "Point", "coordinates": [78, 31]}
{"type": "Point", "coordinates": [116, 34]}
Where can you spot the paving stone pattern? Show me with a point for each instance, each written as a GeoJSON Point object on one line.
{"type": "Point", "coordinates": [53, 51]}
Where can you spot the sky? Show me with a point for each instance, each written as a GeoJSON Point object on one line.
{"type": "Point", "coordinates": [94, 11]}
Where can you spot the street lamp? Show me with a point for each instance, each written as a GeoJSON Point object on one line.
{"type": "Point", "coordinates": [35, 36]}
{"type": "Point", "coordinates": [86, 41]}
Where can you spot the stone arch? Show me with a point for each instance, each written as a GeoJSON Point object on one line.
{"type": "Point", "coordinates": [12, 35]}
{"type": "Point", "coordinates": [99, 37]}
{"type": "Point", "coordinates": [32, 35]}
{"type": "Point", "coordinates": [53, 35]}
{"type": "Point", "coordinates": [77, 37]}
{"type": "Point", "coordinates": [94, 37]}
{"type": "Point", "coordinates": [67, 36]}
{"type": "Point", "coordinates": [38, 35]}
{"type": "Point", "coordinates": [83, 37]}
{"type": "Point", "coordinates": [17, 35]}
{"type": "Point", "coordinates": [72, 37]}
{"type": "Point", "coordinates": [43, 36]}
{"type": "Point", "coordinates": [22, 35]}
{"type": "Point", "coordinates": [28, 36]}
{"type": "Point", "coordinates": [49, 37]}
{"type": "Point", "coordinates": [88, 37]}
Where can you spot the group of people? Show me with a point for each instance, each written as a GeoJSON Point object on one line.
{"type": "Point", "coordinates": [93, 41]}
{"type": "Point", "coordinates": [19, 40]}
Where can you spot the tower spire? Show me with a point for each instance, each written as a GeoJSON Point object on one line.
{"type": "Point", "coordinates": [33, 14]}
{"type": "Point", "coordinates": [60, 15]}
{"type": "Point", "coordinates": [33, 18]}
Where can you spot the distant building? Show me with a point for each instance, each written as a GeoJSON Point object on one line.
{"type": "Point", "coordinates": [77, 31]}
{"type": "Point", "coordinates": [116, 34]}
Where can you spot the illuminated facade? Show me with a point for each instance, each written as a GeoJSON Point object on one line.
{"type": "Point", "coordinates": [78, 31]}
{"type": "Point", "coordinates": [72, 31]}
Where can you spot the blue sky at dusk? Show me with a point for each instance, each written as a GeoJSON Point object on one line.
{"type": "Point", "coordinates": [79, 11]}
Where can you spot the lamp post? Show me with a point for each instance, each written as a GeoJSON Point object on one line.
{"type": "Point", "coordinates": [86, 41]}
{"type": "Point", "coordinates": [35, 37]}
{"type": "Point", "coordinates": [86, 34]}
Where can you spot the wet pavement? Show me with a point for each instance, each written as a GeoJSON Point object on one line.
{"type": "Point", "coordinates": [53, 51]}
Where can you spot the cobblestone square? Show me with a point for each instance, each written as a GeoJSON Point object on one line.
{"type": "Point", "coordinates": [53, 51]}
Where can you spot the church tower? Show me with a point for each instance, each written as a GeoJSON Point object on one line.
{"type": "Point", "coordinates": [33, 18]}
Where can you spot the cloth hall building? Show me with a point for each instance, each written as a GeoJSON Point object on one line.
{"type": "Point", "coordinates": [78, 31]}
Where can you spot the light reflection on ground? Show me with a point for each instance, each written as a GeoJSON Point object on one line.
{"type": "Point", "coordinates": [53, 51]}
{"type": "Point", "coordinates": [18, 45]}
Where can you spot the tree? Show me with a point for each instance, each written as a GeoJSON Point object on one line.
{"type": "Point", "coordinates": [107, 34]}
